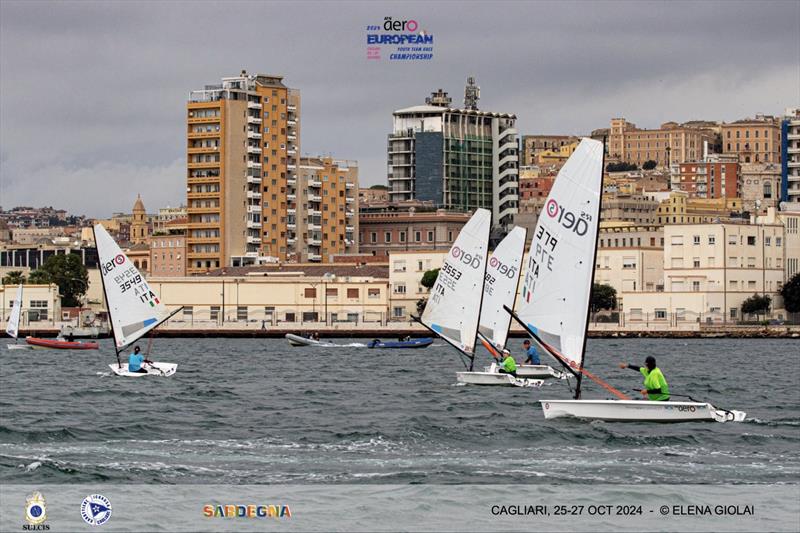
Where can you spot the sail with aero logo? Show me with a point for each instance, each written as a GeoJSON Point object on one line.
{"type": "Point", "coordinates": [558, 277]}
{"type": "Point", "coordinates": [133, 306]}
{"type": "Point", "coordinates": [12, 327]}
{"type": "Point", "coordinates": [502, 277]}
{"type": "Point", "coordinates": [455, 299]}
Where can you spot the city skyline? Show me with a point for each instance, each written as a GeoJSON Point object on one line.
{"type": "Point", "coordinates": [92, 96]}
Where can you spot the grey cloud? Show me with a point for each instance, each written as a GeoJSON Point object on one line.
{"type": "Point", "coordinates": [94, 93]}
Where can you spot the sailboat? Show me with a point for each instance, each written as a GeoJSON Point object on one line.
{"type": "Point", "coordinates": [12, 327]}
{"type": "Point", "coordinates": [133, 307]}
{"type": "Point", "coordinates": [452, 309]}
{"type": "Point", "coordinates": [500, 288]}
{"type": "Point", "coordinates": [557, 287]}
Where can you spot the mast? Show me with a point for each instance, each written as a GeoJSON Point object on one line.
{"type": "Point", "coordinates": [108, 307]}
{"type": "Point", "coordinates": [591, 285]}
{"type": "Point", "coordinates": [480, 304]}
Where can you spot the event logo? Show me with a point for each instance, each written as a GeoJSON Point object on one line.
{"type": "Point", "coordinates": [507, 271]}
{"type": "Point", "coordinates": [96, 509]}
{"type": "Point", "coordinates": [402, 38]}
{"type": "Point", "coordinates": [247, 511]}
{"type": "Point", "coordinates": [471, 260]}
{"type": "Point", "coordinates": [35, 513]}
{"type": "Point", "coordinates": [567, 218]}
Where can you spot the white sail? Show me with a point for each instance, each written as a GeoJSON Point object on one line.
{"type": "Point", "coordinates": [502, 277]}
{"type": "Point", "coordinates": [134, 308]}
{"type": "Point", "coordinates": [455, 300]}
{"type": "Point", "coordinates": [12, 327]}
{"type": "Point", "coordinates": [557, 282]}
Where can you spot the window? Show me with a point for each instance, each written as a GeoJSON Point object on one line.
{"type": "Point", "coordinates": [777, 241]}
{"type": "Point", "coordinates": [676, 240]}
{"type": "Point", "coordinates": [636, 313]}
{"type": "Point", "coordinates": [399, 266]}
{"type": "Point", "coordinates": [373, 237]}
{"type": "Point", "coordinates": [311, 292]}
{"type": "Point", "coordinates": [352, 293]}
{"type": "Point", "coordinates": [400, 288]}
{"type": "Point", "coordinates": [677, 285]}
{"type": "Point", "coordinates": [677, 262]}
{"type": "Point", "coordinates": [188, 312]}
{"type": "Point", "coordinates": [751, 262]}
{"type": "Point", "coordinates": [695, 286]}
{"type": "Point", "coordinates": [387, 237]}
{"type": "Point", "coordinates": [751, 240]}
{"type": "Point", "coordinates": [373, 293]}
{"type": "Point", "coordinates": [680, 313]}
{"type": "Point", "coordinates": [732, 240]}
{"type": "Point", "coordinates": [417, 236]}
{"type": "Point", "coordinates": [696, 262]}
{"type": "Point", "coordinates": [332, 292]}
{"type": "Point", "coordinates": [430, 236]}
{"type": "Point", "coordinates": [734, 312]}
{"type": "Point", "coordinates": [290, 317]}
{"type": "Point", "coordinates": [398, 312]}
{"type": "Point", "coordinates": [711, 261]}
{"type": "Point", "coordinates": [402, 236]}
{"type": "Point", "coordinates": [751, 284]}
{"type": "Point", "coordinates": [661, 314]}
{"type": "Point", "coordinates": [733, 284]}
{"type": "Point", "coordinates": [419, 266]}
{"type": "Point", "coordinates": [241, 313]}
{"type": "Point", "coordinates": [310, 316]}
{"type": "Point", "coordinates": [696, 239]}
{"type": "Point", "coordinates": [214, 312]}
{"type": "Point", "coordinates": [767, 241]}
{"type": "Point", "coordinates": [629, 262]}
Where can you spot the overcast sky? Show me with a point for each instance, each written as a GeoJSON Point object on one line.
{"type": "Point", "coordinates": [92, 95]}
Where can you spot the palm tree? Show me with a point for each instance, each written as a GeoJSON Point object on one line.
{"type": "Point", "coordinates": [15, 277]}
{"type": "Point", "coordinates": [39, 277]}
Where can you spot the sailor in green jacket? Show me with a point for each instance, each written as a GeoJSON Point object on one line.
{"type": "Point", "coordinates": [655, 386]}
{"type": "Point", "coordinates": [509, 364]}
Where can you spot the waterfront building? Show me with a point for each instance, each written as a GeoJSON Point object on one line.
{"type": "Point", "coordinates": [168, 250]}
{"type": "Point", "coordinates": [407, 226]}
{"type": "Point", "coordinates": [243, 137]}
{"type": "Point", "coordinates": [710, 269]}
{"type": "Point", "coordinates": [405, 275]}
{"type": "Point", "coordinates": [533, 145]}
{"type": "Point", "coordinates": [278, 295]}
{"type": "Point", "coordinates": [753, 140]}
{"type": "Point", "coordinates": [630, 257]}
{"type": "Point", "coordinates": [790, 156]}
{"type": "Point", "coordinates": [670, 143]}
{"type": "Point", "coordinates": [323, 219]}
{"type": "Point", "coordinates": [459, 159]}
{"type": "Point", "coordinates": [41, 304]}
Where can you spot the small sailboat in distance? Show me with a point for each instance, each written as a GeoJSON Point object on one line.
{"type": "Point", "coordinates": [455, 299]}
{"type": "Point", "coordinates": [133, 307]}
{"type": "Point", "coordinates": [12, 326]}
{"type": "Point", "coordinates": [557, 288]}
{"type": "Point", "coordinates": [500, 288]}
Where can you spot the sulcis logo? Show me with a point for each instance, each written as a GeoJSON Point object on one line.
{"type": "Point", "coordinates": [95, 509]}
{"type": "Point", "coordinates": [35, 513]}
{"type": "Point", "coordinates": [471, 260]}
{"type": "Point", "coordinates": [566, 218]}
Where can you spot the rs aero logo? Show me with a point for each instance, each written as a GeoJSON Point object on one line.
{"type": "Point", "coordinates": [471, 260]}
{"type": "Point", "coordinates": [108, 266]}
{"type": "Point", "coordinates": [566, 218]}
{"type": "Point", "coordinates": [508, 271]}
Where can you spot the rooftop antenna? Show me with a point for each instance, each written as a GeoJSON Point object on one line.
{"type": "Point", "coordinates": [472, 93]}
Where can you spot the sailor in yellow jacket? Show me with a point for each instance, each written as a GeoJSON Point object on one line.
{"type": "Point", "coordinates": [655, 385]}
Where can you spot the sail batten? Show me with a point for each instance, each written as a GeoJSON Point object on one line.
{"type": "Point", "coordinates": [134, 308]}
{"type": "Point", "coordinates": [558, 277]}
{"type": "Point", "coordinates": [502, 278]}
{"type": "Point", "coordinates": [454, 304]}
{"type": "Point", "coordinates": [12, 326]}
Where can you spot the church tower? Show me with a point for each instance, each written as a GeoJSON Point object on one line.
{"type": "Point", "coordinates": [139, 223]}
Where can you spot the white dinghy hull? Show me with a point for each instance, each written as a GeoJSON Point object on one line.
{"type": "Point", "coordinates": [496, 378]}
{"type": "Point", "coordinates": [19, 346]}
{"type": "Point", "coordinates": [638, 411]}
{"type": "Point", "coordinates": [540, 372]}
{"type": "Point", "coordinates": [154, 369]}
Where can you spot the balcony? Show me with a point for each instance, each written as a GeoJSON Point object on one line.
{"type": "Point", "coordinates": [291, 226]}
{"type": "Point", "coordinates": [314, 183]}
{"type": "Point", "coordinates": [291, 151]}
{"type": "Point", "coordinates": [256, 180]}
{"type": "Point", "coordinates": [291, 211]}
{"type": "Point", "coordinates": [350, 199]}
{"type": "Point", "coordinates": [253, 120]}
{"type": "Point", "coordinates": [291, 241]}
{"type": "Point", "coordinates": [291, 167]}
{"type": "Point", "coordinates": [254, 195]}
{"type": "Point", "coordinates": [253, 164]}
{"type": "Point", "coordinates": [350, 214]}
{"type": "Point", "coordinates": [291, 122]}
{"type": "Point", "coordinates": [252, 224]}
{"type": "Point", "coordinates": [253, 149]}
{"type": "Point", "coordinates": [314, 227]}
{"type": "Point", "coordinates": [314, 198]}
{"type": "Point", "coordinates": [349, 229]}
{"type": "Point", "coordinates": [253, 105]}
{"type": "Point", "coordinates": [253, 208]}
{"type": "Point", "coordinates": [253, 134]}
{"type": "Point", "coordinates": [203, 164]}
{"type": "Point", "coordinates": [314, 242]}
{"type": "Point", "coordinates": [291, 137]}
{"type": "Point", "coordinates": [291, 181]}
{"type": "Point", "coordinates": [291, 108]}
{"type": "Point", "coordinates": [315, 212]}
{"type": "Point", "coordinates": [253, 240]}
{"type": "Point", "coordinates": [203, 149]}
{"type": "Point", "coordinates": [291, 197]}
{"type": "Point", "coordinates": [314, 257]}
{"type": "Point", "coordinates": [349, 185]}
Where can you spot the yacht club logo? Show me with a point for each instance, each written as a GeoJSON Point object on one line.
{"type": "Point", "coordinates": [95, 509]}
{"type": "Point", "coordinates": [35, 513]}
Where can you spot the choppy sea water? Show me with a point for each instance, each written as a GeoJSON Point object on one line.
{"type": "Point", "coordinates": [248, 411]}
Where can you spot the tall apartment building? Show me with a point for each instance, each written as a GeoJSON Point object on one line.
{"type": "Point", "coordinates": [754, 140]}
{"type": "Point", "coordinates": [460, 159]}
{"type": "Point", "coordinates": [671, 143]}
{"type": "Point", "coordinates": [243, 139]}
{"type": "Point", "coordinates": [712, 178]}
{"type": "Point", "coordinates": [323, 213]}
{"type": "Point", "coordinates": [790, 156]}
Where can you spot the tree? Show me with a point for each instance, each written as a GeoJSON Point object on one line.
{"type": "Point", "coordinates": [421, 303]}
{"type": "Point", "coordinates": [649, 165]}
{"type": "Point", "coordinates": [70, 275]}
{"type": "Point", "coordinates": [717, 146]}
{"type": "Point", "coordinates": [380, 187]}
{"type": "Point", "coordinates": [603, 297]}
{"type": "Point", "coordinates": [620, 167]}
{"type": "Point", "coordinates": [15, 277]}
{"type": "Point", "coordinates": [429, 278]}
{"type": "Point", "coordinates": [39, 277]}
{"type": "Point", "coordinates": [791, 294]}
{"type": "Point", "coordinates": [756, 304]}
